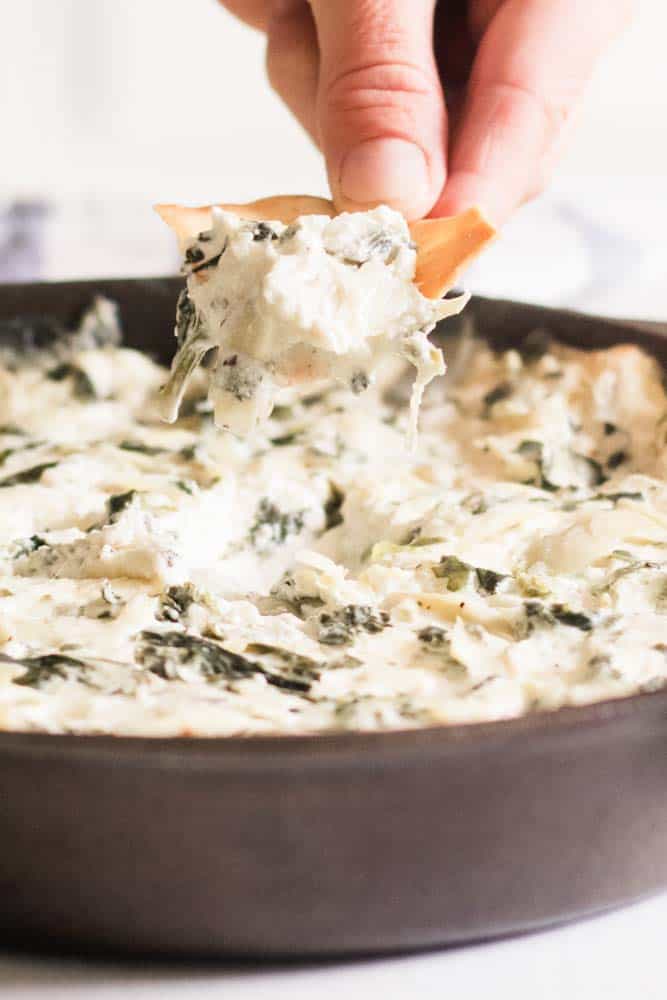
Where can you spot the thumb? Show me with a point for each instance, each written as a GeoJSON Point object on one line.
{"type": "Point", "coordinates": [380, 107]}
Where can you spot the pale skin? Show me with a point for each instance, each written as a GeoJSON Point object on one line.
{"type": "Point", "coordinates": [478, 118]}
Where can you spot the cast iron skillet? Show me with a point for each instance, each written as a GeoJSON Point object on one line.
{"type": "Point", "coordinates": [329, 845]}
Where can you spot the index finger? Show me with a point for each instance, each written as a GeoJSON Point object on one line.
{"type": "Point", "coordinates": [530, 72]}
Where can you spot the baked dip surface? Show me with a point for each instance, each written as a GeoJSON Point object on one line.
{"type": "Point", "coordinates": [173, 580]}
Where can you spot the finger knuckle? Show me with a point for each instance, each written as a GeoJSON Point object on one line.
{"type": "Point", "coordinates": [381, 90]}
{"type": "Point", "coordinates": [515, 102]}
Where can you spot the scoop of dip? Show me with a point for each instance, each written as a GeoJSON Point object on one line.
{"type": "Point", "coordinates": [287, 305]}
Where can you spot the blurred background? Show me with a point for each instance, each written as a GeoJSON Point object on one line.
{"type": "Point", "coordinates": [108, 107]}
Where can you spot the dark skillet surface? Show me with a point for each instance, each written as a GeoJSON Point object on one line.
{"type": "Point", "coordinates": [329, 845]}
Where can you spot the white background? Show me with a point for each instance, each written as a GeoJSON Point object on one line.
{"type": "Point", "coordinates": [109, 105]}
{"type": "Point", "coordinates": [167, 100]}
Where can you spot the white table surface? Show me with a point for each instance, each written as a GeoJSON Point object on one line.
{"type": "Point", "coordinates": [595, 248]}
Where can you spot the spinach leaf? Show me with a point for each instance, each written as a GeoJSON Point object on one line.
{"type": "Point", "coordinates": [175, 601]}
{"type": "Point", "coordinates": [337, 628]}
{"type": "Point", "coordinates": [119, 502]}
{"type": "Point", "coordinates": [576, 619]}
{"type": "Point", "coordinates": [453, 571]}
{"type": "Point", "coordinates": [332, 507]}
{"type": "Point", "coordinates": [41, 669]}
{"type": "Point", "coordinates": [141, 448]}
{"type": "Point", "coordinates": [533, 451]}
{"type": "Point", "coordinates": [24, 546]}
{"type": "Point", "coordinates": [82, 384]}
{"type": "Point", "coordinates": [162, 653]}
{"type": "Point", "coordinates": [272, 526]}
{"type": "Point", "coordinates": [499, 393]}
{"type": "Point", "coordinates": [31, 475]}
{"type": "Point", "coordinates": [433, 636]}
{"type": "Point", "coordinates": [488, 579]}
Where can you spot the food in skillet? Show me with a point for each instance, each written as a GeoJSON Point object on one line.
{"type": "Point", "coordinates": [316, 575]}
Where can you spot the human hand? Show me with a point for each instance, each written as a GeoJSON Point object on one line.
{"type": "Point", "coordinates": [476, 119]}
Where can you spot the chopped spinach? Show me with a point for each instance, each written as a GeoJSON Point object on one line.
{"type": "Point", "coordinates": [537, 613]}
{"type": "Point", "coordinates": [286, 670]}
{"type": "Point", "coordinates": [576, 619]}
{"type": "Point", "coordinates": [332, 507]}
{"type": "Point", "coordinates": [261, 231]}
{"type": "Point", "coordinates": [499, 393]}
{"type": "Point", "coordinates": [175, 601]}
{"type": "Point", "coordinates": [453, 571]}
{"type": "Point", "coordinates": [533, 451]}
{"type": "Point", "coordinates": [186, 317]}
{"type": "Point", "coordinates": [193, 255]}
{"type": "Point", "coordinates": [359, 382]}
{"type": "Point", "coordinates": [591, 468]}
{"type": "Point", "coordinates": [162, 653]}
{"type": "Point", "coordinates": [41, 669]}
{"type": "Point", "coordinates": [82, 385]}
{"type": "Point", "coordinates": [186, 486]}
{"type": "Point", "coordinates": [141, 448]}
{"type": "Point", "coordinates": [8, 452]}
{"type": "Point", "coordinates": [31, 475]}
{"type": "Point", "coordinates": [488, 579]}
{"type": "Point", "coordinates": [621, 495]}
{"type": "Point", "coordinates": [337, 628]}
{"type": "Point", "coordinates": [433, 636]}
{"type": "Point", "coordinates": [617, 458]}
{"type": "Point", "coordinates": [312, 400]}
{"type": "Point", "coordinates": [273, 526]}
{"type": "Point", "coordinates": [24, 546]}
{"type": "Point", "coordinates": [285, 439]}
{"type": "Point", "coordinates": [119, 502]}
{"type": "Point", "coordinates": [457, 573]}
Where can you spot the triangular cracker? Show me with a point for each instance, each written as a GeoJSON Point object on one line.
{"type": "Point", "coordinates": [444, 246]}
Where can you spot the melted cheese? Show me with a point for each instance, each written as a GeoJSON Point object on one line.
{"type": "Point", "coordinates": [291, 305]}
{"type": "Point", "coordinates": [317, 575]}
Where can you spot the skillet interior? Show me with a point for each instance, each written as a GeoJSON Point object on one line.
{"type": "Point", "coordinates": [321, 845]}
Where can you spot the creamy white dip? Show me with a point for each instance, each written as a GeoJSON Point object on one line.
{"type": "Point", "coordinates": [316, 575]}
{"type": "Point", "coordinates": [290, 305]}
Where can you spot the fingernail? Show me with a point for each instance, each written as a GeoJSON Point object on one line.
{"type": "Point", "coordinates": [388, 171]}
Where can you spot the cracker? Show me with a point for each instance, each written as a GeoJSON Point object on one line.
{"type": "Point", "coordinates": [444, 246]}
